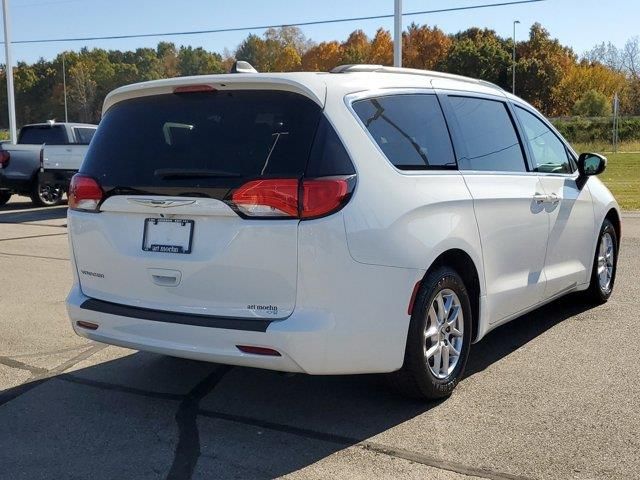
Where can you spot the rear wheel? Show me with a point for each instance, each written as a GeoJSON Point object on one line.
{"type": "Point", "coordinates": [46, 194]}
{"type": "Point", "coordinates": [439, 337]}
{"type": "Point", "coordinates": [603, 273]}
{"type": "Point", "coordinates": [4, 198]}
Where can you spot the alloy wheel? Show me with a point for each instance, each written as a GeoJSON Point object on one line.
{"type": "Point", "coordinates": [443, 333]}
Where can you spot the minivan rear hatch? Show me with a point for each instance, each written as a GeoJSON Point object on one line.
{"type": "Point", "coordinates": [195, 212]}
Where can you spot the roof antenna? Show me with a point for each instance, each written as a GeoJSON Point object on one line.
{"type": "Point", "coordinates": [240, 66]}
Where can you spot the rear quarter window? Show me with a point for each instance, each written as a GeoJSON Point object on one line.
{"type": "Point", "coordinates": [410, 129]}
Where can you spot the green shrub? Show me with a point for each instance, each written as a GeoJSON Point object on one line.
{"type": "Point", "coordinates": [592, 104]}
{"type": "Point", "coordinates": [588, 130]}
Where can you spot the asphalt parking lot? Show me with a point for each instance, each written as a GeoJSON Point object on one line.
{"type": "Point", "coordinates": [555, 394]}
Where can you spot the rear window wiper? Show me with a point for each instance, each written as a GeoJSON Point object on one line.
{"type": "Point", "coordinates": [193, 173]}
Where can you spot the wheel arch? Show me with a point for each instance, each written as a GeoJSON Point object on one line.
{"type": "Point", "coordinates": [462, 263]}
{"type": "Point", "coordinates": [614, 217]}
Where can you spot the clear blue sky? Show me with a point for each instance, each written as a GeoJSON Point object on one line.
{"type": "Point", "coordinates": [577, 23]}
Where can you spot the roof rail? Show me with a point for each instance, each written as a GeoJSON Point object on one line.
{"type": "Point", "coordinates": [354, 68]}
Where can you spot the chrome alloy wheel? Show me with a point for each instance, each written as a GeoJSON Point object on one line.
{"type": "Point", "coordinates": [50, 194]}
{"type": "Point", "coordinates": [605, 262]}
{"type": "Point", "coordinates": [443, 333]}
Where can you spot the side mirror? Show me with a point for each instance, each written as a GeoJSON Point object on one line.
{"type": "Point", "coordinates": [591, 164]}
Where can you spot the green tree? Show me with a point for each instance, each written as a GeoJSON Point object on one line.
{"type": "Point", "coordinates": [592, 104]}
{"type": "Point", "coordinates": [197, 61]}
{"type": "Point", "coordinates": [480, 54]}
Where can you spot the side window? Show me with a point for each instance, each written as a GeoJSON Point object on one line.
{"type": "Point", "coordinates": [84, 135]}
{"type": "Point", "coordinates": [410, 130]}
{"type": "Point", "coordinates": [549, 153]}
{"type": "Point", "coordinates": [489, 135]}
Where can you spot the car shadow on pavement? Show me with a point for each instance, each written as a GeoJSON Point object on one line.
{"type": "Point", "coordinates": [19, 212]}
{"type": "Point", "coordinates": [150, 416]}
{"type": "Point", "coordinates": [513, 335]}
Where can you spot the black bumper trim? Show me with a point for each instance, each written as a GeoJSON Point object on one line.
{"type": "Point", "coordinates": [228, 323]}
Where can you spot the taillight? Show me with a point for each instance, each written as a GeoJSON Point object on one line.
{"type": "Point", "coordinates": [4, 158]}
{"type": "Point", "coordinates": [322, 196]}
{"type": "Point", "coordinates": [292, 198]}
{"type": "Point", "coordinates": [85, 193]}
{"type": "Point", "coordinates": [267, 198]}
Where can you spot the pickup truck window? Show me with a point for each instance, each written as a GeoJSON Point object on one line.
{"type": "Point", "coordinates": [84, 135]}
{"type": "Point", "coordinates": [39, 134]}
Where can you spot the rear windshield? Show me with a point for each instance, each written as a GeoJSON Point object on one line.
{"type": "Point", "coordinates": [37, 135]}
{"type": "Point", "coordinates": [201, 144]}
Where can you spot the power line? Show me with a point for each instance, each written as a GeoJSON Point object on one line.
{"type": "Point", "coordinates": [264, 27]}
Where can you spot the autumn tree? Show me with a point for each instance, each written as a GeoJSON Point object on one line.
{"type": "Point", "coordinates": [381, 48]}
{"type": "Point", "coordinates": [322, 57]}
{"type": "Point", "coordinates": [424, 47]}
{"type": "Point", "coordinates": [542, 65]}
{"type": "Point", "coordinates": [356, 48]}
{"type": "Point", "coordinates": [585, 77]}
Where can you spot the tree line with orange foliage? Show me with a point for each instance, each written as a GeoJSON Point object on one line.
{"type": "Point", "coordinates": [549, 75]}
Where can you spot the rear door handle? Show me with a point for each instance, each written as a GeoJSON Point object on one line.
{"type": "Point", "coordinates": [540, 198]}
{"type": "Point", "coordinates": [554, 199]}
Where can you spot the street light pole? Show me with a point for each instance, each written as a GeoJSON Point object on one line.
{"type": "Point", "coordinates": [513, 67]}
{"type": "Point", "coordinates": [64, 87]}
{"type": "Point", "coordinates": [9, 71]}
{"type": "Point", "coordinates": [397, 33]}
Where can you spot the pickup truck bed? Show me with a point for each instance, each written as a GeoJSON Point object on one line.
{"type": "Point", "coordinates": [43, 161]}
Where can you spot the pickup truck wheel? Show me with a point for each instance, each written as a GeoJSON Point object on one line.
{"type": "Point", "coordinates": [4, 198]}
{"type": "Point", "coordinates": [46, 194]}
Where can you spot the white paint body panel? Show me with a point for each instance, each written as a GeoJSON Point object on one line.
{"type": "Point", "coordinates": [513, 231]}
{"type": "Point", "coordinates": [64, 157]}
{"type": "Point", "coordinates": [342, 283]}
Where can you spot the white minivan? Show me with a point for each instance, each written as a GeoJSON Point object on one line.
{"type": "Point", "coordinates": [366, 220]}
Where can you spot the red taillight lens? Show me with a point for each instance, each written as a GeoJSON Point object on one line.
{"type": "Point", "coordinates": [268, 198]}
{"type": "Point", "coordinates": [322, 196]}
{"type": "Point", "coordinates": [4, 158]}
{"type": "Point", "coordinates": [291, 198]}
{"type": "Point", "coordinates": [85, 193]}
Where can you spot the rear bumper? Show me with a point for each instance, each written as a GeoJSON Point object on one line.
{"type": "Point", "coordinates": [14, 184]}
{"type": "Point", "coordinates": [56, 177]}
{"type": "Point", "coordinates": [208, 344]}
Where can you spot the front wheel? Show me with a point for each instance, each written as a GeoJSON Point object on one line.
{"type": "Point", "coordinates": [439, 337]}
{"type": "Point", "coordinates": [46, 194]}
{"type": "Point", "coordinates": [603, 273]}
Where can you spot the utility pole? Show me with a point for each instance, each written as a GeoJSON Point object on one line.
{"type": "Point", "coordinates": [513, 68]}
{"type": "Point", "coordinates": [9, 71]}
{"type": "Point", "coordinates": [64, 87]}
{"type": "Point", "coordinates": [397, 33]}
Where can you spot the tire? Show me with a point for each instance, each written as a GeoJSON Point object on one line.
{"type": "Point", "coordinates": [600, 291]}
{"type": "Point", "coordinates": [46, 195]}
{"type": "Point", "coordinates": [4, 198]}
{"type": "Point", "coordinates": [419, 376]}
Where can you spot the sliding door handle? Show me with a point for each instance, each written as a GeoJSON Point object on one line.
{"type": "Point", "coordinates": [540, 198]}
